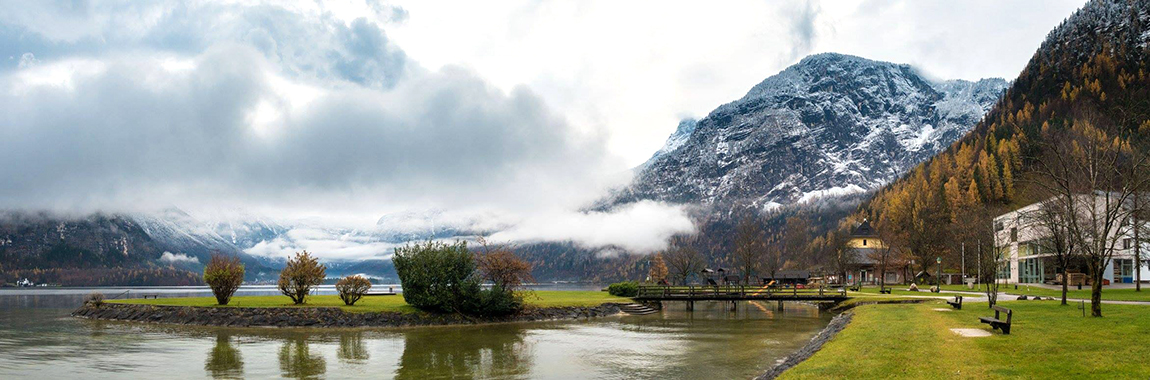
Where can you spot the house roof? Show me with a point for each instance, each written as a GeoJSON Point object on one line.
{"type": "Point", "coordinates": [864, 230]}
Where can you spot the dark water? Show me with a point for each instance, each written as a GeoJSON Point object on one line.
{"type": "Point", "coordinates": [39, 340]}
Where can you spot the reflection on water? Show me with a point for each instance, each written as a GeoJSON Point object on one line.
{"type": "Point", "coordinates": [224, 361]}
{"type": "Point", "coordinates": [298, 362]}
{"type": "Point", "coordinates": [352, 349]}
{"type": "Point", "coordinates": [39, 340]}
{"type": "Point", "coordinates": [499, 352]}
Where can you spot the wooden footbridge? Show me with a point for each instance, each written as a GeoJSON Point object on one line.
{"type": "Point", "coordinates": [735, 293]}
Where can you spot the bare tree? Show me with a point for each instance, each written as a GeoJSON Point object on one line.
{"type": "Point", "coordinates": [1051, 222]}
{"type": "Point", "coordinates": [887, 253]}
{"type": "Point", "coordinates": [1094, 175]}
{"type": "Point", "coordinates": [683, 260]}
{"type": "Point", "coordinates": [750, 248]}
{"type": "Point", "coordinates": [835, 250]}
{"type": "Point", "coordinates": [795, 240]}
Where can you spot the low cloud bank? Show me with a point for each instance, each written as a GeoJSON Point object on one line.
{"type": "Point", "coordinates": [178, 258]}
{"type": "Point", "coordinates": [640, 227]}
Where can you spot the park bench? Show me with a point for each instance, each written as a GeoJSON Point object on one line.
{"type": "Point", "coordinates": [997, 322]}
{"type": "Point", "coordinates": [957, 303]}
{"type": "Point", "coordinates": [884, 290]}
{"type": "Point", "coordinates": [152, 296]}
{"type": "Point", "coordinates": [856, 287]}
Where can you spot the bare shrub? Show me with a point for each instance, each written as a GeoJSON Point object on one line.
{"type": "Point", "coordinates": [94, 298]}
{"type": "Point", "coordinates": [302, 273]}
{"type": "Point", "coordinates": [352, 288]}
{"type": "Point", "coordinates": [224, 274]}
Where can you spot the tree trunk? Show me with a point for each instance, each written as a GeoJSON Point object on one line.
{"type": "Point", "coordinates": [1096, 294]}
{"type": "Point", "coordinates": [1065, 283]}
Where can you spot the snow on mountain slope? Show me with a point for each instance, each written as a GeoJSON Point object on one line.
{"type": "Point", "coordinates": [832, 124]}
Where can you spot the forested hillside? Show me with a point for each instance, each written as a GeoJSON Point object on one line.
{"type": "Point", "coordinates": [1093, 70]}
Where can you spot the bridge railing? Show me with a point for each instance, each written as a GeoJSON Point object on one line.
{"type": "Point", "coordinates": [734, 291]}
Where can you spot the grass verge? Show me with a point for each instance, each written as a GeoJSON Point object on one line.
{"type": "Point", "coordinates": [541, 298]}
{"type": "Point", "coordinates": [1047, 341]}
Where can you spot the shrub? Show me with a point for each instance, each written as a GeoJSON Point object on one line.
{"type": "Point", "coordinates": [302, 273]}
{"type": "Point", "coordinates": [437, 276]}
{"type": "Point", "coordinates": [494, 302]}
{"type": "Point", "coordinates": [224, 274]}
{"type": "Point", "coordinates": [500, 266]}
{"type": "Point", "coordinates": [95, 298]}
{"type": "Point", "coordinates": [624, 289]}
{"type": "Point", "coordinates": [352, 288]}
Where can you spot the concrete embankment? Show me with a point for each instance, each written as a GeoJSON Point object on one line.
{"type": "Point", "coordinates": [317, 316]}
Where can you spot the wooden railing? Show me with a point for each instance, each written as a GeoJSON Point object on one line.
{"type": "Point", "coordinates": [736, 292]}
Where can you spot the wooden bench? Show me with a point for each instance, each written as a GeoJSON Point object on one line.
{"type": "Point", "coordinates": [884, 290]}
{"type": "Point", "coordinates": [997, 323]}
{"type": "Point", "coordinates": [957, 303]}
{"type": "Point", "coordinates": [152, 296]}
{"type": "Point", "coordinates": [856, 287]}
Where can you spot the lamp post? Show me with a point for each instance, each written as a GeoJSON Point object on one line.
{"type": "Point", "coordinates": [938, 280]}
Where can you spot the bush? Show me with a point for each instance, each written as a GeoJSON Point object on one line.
{"type": "Point", "coordinates": [302, 273]}
{"type": "Point", "coordinates": [94, 298]}
{"type": "Point", "coordinates": [224, 274]}
{"type": "Point", "coordinates": [624, 289]}
{"type": "Point", "coordinates": [494, 302]}
{"type": "Point", "coordinates": [352, 288]}
{"type": "Point", "coordinates": [437, 276]}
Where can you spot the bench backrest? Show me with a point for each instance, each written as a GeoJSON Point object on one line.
{"type": "Point", "coordinates": [998, 309]}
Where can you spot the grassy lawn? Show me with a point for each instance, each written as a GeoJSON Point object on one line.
{"type": "Point", "coordinates": [542, 298]}
{"type": "Point", "coordinates": [1047, 341]}
{"type": "Point", "coordinates": [1107, 294]}
{"type": "Point", "coordinates": [896, 290]}
{"type": "Point", "coordinates": [1073, 292]}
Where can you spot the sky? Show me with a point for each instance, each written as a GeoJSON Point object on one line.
{"type": "Point", "coordinates": [510, 114]}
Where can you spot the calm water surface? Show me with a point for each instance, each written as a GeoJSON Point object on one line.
{"type": "Point", "coordinates": [38, 339]}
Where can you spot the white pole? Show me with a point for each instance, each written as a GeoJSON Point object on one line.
{"type": "Point", "coordinates": [964, 261]}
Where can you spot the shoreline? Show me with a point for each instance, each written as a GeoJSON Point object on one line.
{"type": "Point", "coordinates": [837, 325]}
{"type": "Point", "coordinates": [319, 317]}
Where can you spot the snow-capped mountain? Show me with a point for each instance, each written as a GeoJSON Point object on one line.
{"type": "Point", "coordinates": [682, 134]}
{"type": "Point", "coordinates": [831, 124]}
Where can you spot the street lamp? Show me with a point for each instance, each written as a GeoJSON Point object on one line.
{"type": "Point", "coordinates": [938, 280]}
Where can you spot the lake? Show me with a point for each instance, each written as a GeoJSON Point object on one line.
{"type": "Point", "coordinates": [38, 339]}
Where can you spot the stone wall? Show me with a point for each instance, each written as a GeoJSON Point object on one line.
{"type": "Point", "coordinates": [317, 316]}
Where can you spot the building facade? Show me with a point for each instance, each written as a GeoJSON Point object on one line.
{"type": "Point", "coordinates": [1024, 258]}
{"type": "Point", "coordinates": [865, 245]}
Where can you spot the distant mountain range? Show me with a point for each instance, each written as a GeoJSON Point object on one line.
{"type": "Point", "coordinates": [829, 125]}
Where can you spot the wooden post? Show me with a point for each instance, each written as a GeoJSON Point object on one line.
{"type": "Point", "coordinates": [733, 304]}
{"type": "Point", "coordinates": [690, 305]}
{"type": "Point", "coordinates": [780, 305]}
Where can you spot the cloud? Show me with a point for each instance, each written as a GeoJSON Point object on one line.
{"type": "Point", "coordinates": [640, 227]}
{"type": "Point", "coordinates": [296, 112]}
{"type": "Point", "coordinates": [331, 244]}
{"type": "Point", "coordinates": [178, 258]}
{"type": "Point", "coordinates": [803, 31]}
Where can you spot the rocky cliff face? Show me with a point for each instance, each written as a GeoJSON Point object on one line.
{"type": "Point", "coordinates": [832, 124]}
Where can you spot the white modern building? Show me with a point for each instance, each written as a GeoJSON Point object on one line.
{"type": "Point", "coordinates": [1018, 236]}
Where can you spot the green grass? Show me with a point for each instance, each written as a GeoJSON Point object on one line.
{"type": "Point", "coordinates": [1073, 292]}
{"type": "Point", "coordinates": [896, 290]}
{"type": "Point", "coordinates": [1047, 341]}
{"type": "Point", "coordinates": [542, 298]}
{"type": "Point", "coordinates": [1107, 293]}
